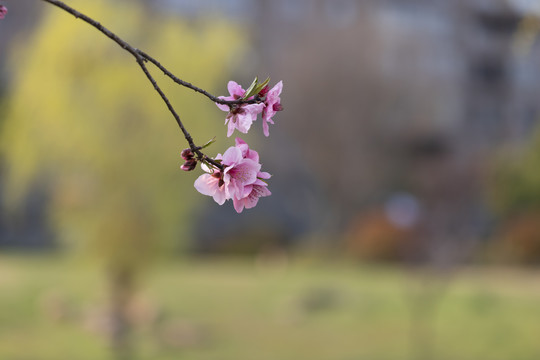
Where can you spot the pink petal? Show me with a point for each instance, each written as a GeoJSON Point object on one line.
{"type": "Point", "coordinates": [254, 109]}
{"type": "Point", "coordinates": [252, 199]}
{"type": "Point", "coordinates": [238, 205]}
{"type": "Point", "coordinates": [206, 184]}
{"type": "Point", "coordinates": [221, 195]}
{"type": "Point", "coordinates": [224, 107]}
{"type": "Point", "coordinates": [263, 175]}
{"type": "Point", "coordinates": [230, 127]}
{"type": "Point", "coordinates": [266, 131]}
{"type": "Point", "coordinates": [239, 141]}
{"type": "Point", "coordinates": [235, 89]}
{"type": "Point", "coordinates": [247, 153]}
{"type": "Point", "coordinates": [245, 172]}
{"type": "Point", "coordinates": [232, 156]}
{"type": "Point", "coordinates": [244, 192]}
{"type": "Point", "coordinates": [276, 90]}
{"type": "Point", "coordinates": [243, 122]}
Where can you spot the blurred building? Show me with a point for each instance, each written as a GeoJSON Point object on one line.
{"type": "Point", "coordinates": [384, 97]}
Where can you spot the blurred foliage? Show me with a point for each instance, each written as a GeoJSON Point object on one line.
{"type": "Point", "coordinates": [516, 179]}
{"type": "Point", "coordinates": [371, 236]}
{"type": "Point", "coordinates": [84, 120]}
{"type": "Point", "coordinates": [519, 239]}
{"type": "Point", "coordinates": [515, 195]}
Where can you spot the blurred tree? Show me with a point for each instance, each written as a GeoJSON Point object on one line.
{"type": "Point", "coordinates": [84, 120]}
{"type": "Point", "coordinates": [516, 181]}
{"type": "Point", "coordinates": [515, 195]}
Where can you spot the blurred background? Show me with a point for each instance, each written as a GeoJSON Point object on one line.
{"type": "Point", "coordinates": [405, 216]}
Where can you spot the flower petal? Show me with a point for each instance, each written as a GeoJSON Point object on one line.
{"type": "Point", "coordinates": [243, 122]}
{"type": "Point", "coordinates": [206, 184]}
{"type": "Point", "coordinates": [232, 156]}
{"type": "Point", "coordinates": [238, 205]}
{"type": "Point", "coordinates": [266, 131]}
{"type": "Point", "coordinates": [276, 90]}
{"type": "Point", "coordinates": [224, 107]}
{"type": "Point", "coordinates": [235, 89]}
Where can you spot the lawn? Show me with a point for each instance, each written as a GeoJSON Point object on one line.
{"type": "Point", "coordinates": [222, 309]}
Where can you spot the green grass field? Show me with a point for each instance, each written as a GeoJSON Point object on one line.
{"type": "Point", "coordinates": [53, 308]}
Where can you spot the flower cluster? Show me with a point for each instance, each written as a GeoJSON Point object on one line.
{"type": "Point", "coordinates": [241, 116]}
{"type": "Point", "coordinates": [3, 11]}
{"type": "Point", "coordinates": [236, 175]}
{"type": "Point", "coordinates": [241, 179]}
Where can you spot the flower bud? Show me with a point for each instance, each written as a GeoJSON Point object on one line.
{"type": "Point", "coordinates": [189, 165]}
{"type": "Point", "coordinates": [187, 154]}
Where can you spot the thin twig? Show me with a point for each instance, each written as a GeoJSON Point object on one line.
{"type": "Point", "coordinates": [139, 53]}
{"type": "Point", "coordinates": [193, 87]}
{"type": "Point", "coordinates": [141, 58]}
{"type": "Point", "coordinates": [189, 139]}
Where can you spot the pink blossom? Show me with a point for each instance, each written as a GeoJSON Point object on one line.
{"type": "Point", "coordinates": [258, 189]}
{"type": "Point", "coordinates": [241, 180]}
{"type": "Point", "coordinates": [272, 106]}
{"type": "Point", "coordinates": [3, 11]}
{"type": "Point", "coordinates": [235, 179]}
{"type": "Point", "coordinates": [239, 116]}
{"type": "Point", "coordinates": [241, 171]}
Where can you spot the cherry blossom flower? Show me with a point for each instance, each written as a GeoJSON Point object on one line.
{"type": "Point", "coordinates": [234, 181]}
{"type": "Point", "coordinates": [272, 106]}
{"type": "Point", "coordinates": [241, 180]}
{"type": "Point", "coordinates": [258, 189]}
{"type": "Point", "coordinates": [239, 116]}
{"type": "Point", "coordinates": [3, 11]}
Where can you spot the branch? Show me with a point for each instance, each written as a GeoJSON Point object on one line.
{"type": "Point", "coordinates": [141, 57]}
{"type": "Point", "coordinates": [193, 87]}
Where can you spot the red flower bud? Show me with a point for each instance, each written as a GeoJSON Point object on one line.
{"type": "Point", "coordinates": [189, 165]}
{"type": "Point", "coordinates": [187, 154]}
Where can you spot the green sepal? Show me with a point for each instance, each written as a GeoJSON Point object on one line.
{"type": "Point", "coordinates": [251, 89]}
{"type": "Point", "coordinates": [211, 166]}
{"type": "Point", "coordinates": [210, 142]}
{"type": "Point", "coordinates": [259, 88]}
{"type": "Point", "coordinates": [263, 180]}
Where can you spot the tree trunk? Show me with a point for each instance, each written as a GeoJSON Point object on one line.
{"type": "Point", "coordinates": [121, 292]}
